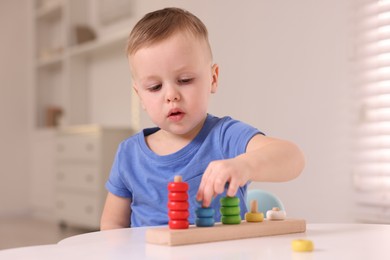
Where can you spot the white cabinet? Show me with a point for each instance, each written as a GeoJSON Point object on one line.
{"type": "Point", "coordinates": [84, 156]}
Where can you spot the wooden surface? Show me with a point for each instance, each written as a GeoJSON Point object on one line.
{"type": "Point", "coordinates": [220, 232]}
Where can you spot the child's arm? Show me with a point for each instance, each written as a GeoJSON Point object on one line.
{"type": "Point", "coordinates": [116, 212]}
{"type": "Point", "coordinates": [266, 159]}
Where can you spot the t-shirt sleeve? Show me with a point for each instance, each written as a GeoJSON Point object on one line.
{"type": "Point", "coordinates": [235, 136]}
{"type": "Point", "coordinates": [115, 183]}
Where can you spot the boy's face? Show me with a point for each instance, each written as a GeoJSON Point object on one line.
{"type": "Point", "coordinates": [174, 79]}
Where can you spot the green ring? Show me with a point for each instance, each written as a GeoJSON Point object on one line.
{"type": "Point", "coordinates": [231, 220]}
{"type": "Point", "coordinates": [230, 211]}
{"type": "Point", "coordinates": [229, 201]}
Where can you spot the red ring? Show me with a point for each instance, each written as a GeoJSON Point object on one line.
{"type": "Point", "coordinates": [178, 186]}
{"type": "Point", "coordinates": [178, 196]}
{"type": "Point", "coordinates": [178, 224]}
{"type": "Point", "coordinates": [178, 215]}
{"type": "Point", "coordinates": [178, 205]}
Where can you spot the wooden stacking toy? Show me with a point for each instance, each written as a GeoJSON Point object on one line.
{"type": "Point", "coordinates": [254, 215]}
{"type": "Point", "coordinates": [178, 204]}
{"type": "Point", "coordinates": [179, 232]}
{"type": "Point", "coordinates": [230, 210]}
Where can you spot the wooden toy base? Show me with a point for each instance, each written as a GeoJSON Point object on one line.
{"type": "Point", "coordinates": [220, 232]}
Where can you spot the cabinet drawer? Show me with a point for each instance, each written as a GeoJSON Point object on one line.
{"type": "Point", "coordinates": [78, 147]}
{"type": "Point", "coordinates": [79, 209]}
{"type": "Point", "coordinates": [84, 177]}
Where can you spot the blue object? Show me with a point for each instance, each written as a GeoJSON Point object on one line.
{"type": "Point", "coordinates": [204, 222]}
{"type": "Point", "coordinates": [204, 217]}
{"type": "Point", "coordinates": [205, 212]}
{"type": "Point", "coordinates": [265, 200]}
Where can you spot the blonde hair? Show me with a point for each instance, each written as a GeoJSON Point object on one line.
{"type": "Point", "coordinates": [161, 24]}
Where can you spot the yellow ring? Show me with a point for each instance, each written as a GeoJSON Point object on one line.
{"type": "Point", "coordinates": [254, 217]}
{"type": "Point", "coordinates": [302, 245]}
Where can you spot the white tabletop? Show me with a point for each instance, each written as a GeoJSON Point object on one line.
{"type": "Point", "coordinates": [331, 241]}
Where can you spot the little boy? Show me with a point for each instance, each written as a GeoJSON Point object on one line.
{"type": "Point", "coordinates": [173, 74]}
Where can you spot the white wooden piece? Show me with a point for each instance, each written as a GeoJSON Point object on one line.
{"type": "Point", "coordinates": [276, 214]}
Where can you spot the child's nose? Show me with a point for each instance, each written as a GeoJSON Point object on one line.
{"type": "Point", "coordinates": [172, 94]}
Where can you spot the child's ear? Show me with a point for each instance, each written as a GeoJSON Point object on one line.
{"type": "Point", "coordinates": [215, 73]}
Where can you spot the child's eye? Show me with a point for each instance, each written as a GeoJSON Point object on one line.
{"type": "Point", "coordinates": [155, 88]}
{"type": "Point", "coordinates": [185, 81]}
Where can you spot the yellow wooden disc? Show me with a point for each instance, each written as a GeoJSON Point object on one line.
{"type": "Point", "coordinates": [254, 217]}
{"type": "Point", "coordinates": [302, 245]}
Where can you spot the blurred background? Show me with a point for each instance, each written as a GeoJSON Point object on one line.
{"type": "Point", "coordinates": [293, 69]}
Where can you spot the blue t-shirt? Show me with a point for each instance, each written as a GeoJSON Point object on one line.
{"type": "Point", "coordinates": [141, 175]}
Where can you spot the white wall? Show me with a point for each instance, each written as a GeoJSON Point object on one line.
{"type": "Point", "coordinates": [14, 127]}
{"type": "Point", "coordinates": [111, 93]}
{"type": "Point", "coordinates": [293, 78]}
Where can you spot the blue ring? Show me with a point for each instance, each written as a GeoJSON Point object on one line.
{"type": "Point", "coordinates": [205, 212]}
{"type": "Point", "coordinates": [204, 222]}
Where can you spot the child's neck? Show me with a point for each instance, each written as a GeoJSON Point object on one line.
{"type": "Point", "coordinates": [165, 143]}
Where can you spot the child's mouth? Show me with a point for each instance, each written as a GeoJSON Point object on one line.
{"type": "Point", "coordinates": [176, 115]}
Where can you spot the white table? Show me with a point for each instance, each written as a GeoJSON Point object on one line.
{"type": "Point", "coordinates": [331, 241]}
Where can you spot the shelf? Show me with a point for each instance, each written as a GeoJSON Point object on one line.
{"type": "Point", "coordinates": [49, 10]}
{"type": "Point", "coordinates": [99, 44]}
{"type": "Point", "coordinates": [69, 75]}
{"type": "Point", "coordinates": [50, 62]}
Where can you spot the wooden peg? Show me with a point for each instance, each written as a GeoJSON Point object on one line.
{"type": "Point", "coordinates": [254, 215]}
{"type": "Point", "coordinates": [178, 178]}
{"type": "Point", "coordinates": [254, 205]}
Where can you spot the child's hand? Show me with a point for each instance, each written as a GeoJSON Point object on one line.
{"type": "Point", "coordinates": [217, 174]}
